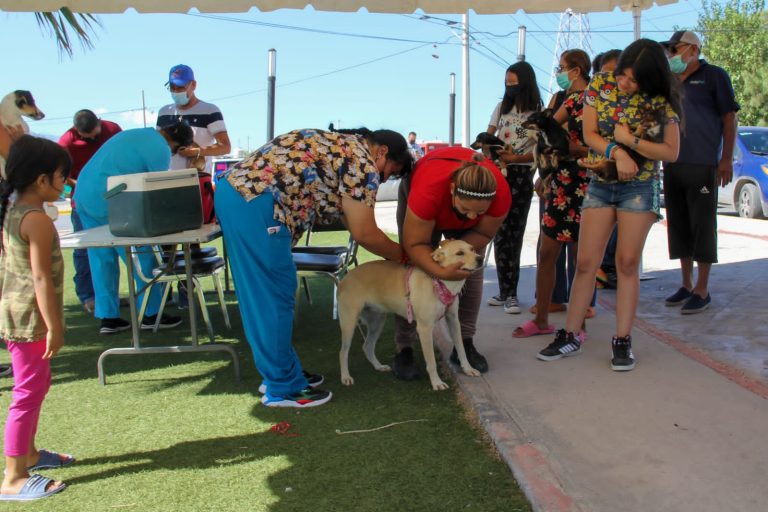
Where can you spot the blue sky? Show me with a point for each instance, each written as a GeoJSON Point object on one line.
{"type": "Point", "coordinates": [400, 80]}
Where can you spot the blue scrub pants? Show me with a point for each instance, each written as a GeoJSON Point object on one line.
{"type": "Point", "coordinates": [105, 274]}
{"type": "Point", "coordinates": [82, 279]}
{"type": "Point", "coordinates": [265, 284]}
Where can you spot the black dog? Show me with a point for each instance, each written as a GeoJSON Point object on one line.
{"type": "Point", "coordinates": [650, 128]}
{"type": "Point", "coordinates": [551, 141]}
{"type": "Point", "coordinates": [488, 144]}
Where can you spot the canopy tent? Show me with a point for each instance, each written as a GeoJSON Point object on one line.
{"type": "Point", "coordinates": [378, 6]}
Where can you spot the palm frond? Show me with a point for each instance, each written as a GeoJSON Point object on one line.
{"type": "Point", "coordinates": [62, 23]}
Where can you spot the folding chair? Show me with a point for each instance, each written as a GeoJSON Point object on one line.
{"type": "Point", "coordinates": [331, 261]}
{"type": "Point", "coordinates": [165, 275]}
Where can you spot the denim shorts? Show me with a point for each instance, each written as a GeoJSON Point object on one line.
{"type": "Point", "coordinates": [628, 196]}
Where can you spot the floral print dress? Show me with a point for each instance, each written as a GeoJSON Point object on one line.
{"type": "Point", "coordinates": [308, 172]}
{"type": "Point", "coordinates": [568, 186]}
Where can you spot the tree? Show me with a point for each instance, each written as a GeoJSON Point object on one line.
{"type": "Point", "coordinates": [62, 23]}
{"type": "Point", "coordinates": [736, 38]}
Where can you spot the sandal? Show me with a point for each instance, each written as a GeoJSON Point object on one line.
{"type": "Point", "coordinates": [530, 328]}
{"type": "Point", "coordinates": [51, 460]}
{"type": "Point", "coordinates": [33, 489]}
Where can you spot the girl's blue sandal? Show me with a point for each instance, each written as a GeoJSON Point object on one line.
{"type": "Point", "coordinates": [34, 489]}
{"type": "Point", "coordinates": [52, 460]}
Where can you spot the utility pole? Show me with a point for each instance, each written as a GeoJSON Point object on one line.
{"type": "Point", "coordinates": [271, 79]}
{"type": "Point", "coordinates": [144, 108]}
{"type": "Point", "coordinates": [452, 111]}
{"type": "Point", "coordinates": [465, 90]}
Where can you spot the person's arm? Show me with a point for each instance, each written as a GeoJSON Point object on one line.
{"type": "Point", "coordinates": [483, 232]}
{"type": "Point", "coordinates": [8, 135]}
{"type": "Point", "coordinates": [361, 222]}
{"type": "Point", "coordinates": [625, 166]}
{"type": "Point", "coordinates": [222, 146]}
{"type": "Point", "coordinates": [725, 166]}
{"type": "Point", "coordinates": [38, 229]}
{"type": "Point", "coordinates": [666, 150]}
{"type": "Point", "coordinates": [417, 243]}
{"type": "Point", "coordinates": [510, 157]}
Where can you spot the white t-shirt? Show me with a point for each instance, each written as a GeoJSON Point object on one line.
{"type": "Point", "coordinates": [206, 121]}
{"type": "Point", "coordinates": [509, 128]}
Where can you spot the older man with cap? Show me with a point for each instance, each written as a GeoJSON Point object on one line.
{"type": "Point", "coordinates": [705, 162]}
{"type": "Point", "coordinates": [207, 122]}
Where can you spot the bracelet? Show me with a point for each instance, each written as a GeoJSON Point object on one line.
{"type": "Point", "coordinates": [198, 152]}
{"type": "Point", "coordinates": [635, 142]}
{"type": "Point", "coordinates": [609, 149]}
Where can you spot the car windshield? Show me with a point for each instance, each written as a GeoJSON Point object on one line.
{"type": "Point", "coordinates": [755, 140]}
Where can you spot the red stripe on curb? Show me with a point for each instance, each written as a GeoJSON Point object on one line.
{"type": "Point", "coordinates": [732, 373]}
{"type": "Point", "coordinates": [533, 464]}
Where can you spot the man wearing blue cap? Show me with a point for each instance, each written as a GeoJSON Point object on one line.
{"type": "Point", "coordinates": [207, 122]}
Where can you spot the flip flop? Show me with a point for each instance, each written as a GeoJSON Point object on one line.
{"type": "Point", "coordinates": [529, 329]}
{"type": "Point", "coordinates": [34, 489]}
{"type": "Point", "coordinates": [52, 460]}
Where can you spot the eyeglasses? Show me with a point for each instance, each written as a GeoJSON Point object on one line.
{"type": "Point", "coordinates": [560, 69]}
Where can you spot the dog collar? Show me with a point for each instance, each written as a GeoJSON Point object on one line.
{"type": "Point", "coordinates": [444, 295]}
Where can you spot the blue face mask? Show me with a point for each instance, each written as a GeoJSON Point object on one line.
{"type": "Point", "coordinates": [180, 98]}
{"type": "Point", "coordinates": [563, 81]}
{"type": "Point", "coordinates": [676, 64]}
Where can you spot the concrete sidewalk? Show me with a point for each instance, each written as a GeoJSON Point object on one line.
{"type": "Point", "coordinates": [682, 432]}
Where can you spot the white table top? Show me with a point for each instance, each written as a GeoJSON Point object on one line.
{"type": "Point", "coordinates": [101, 237]}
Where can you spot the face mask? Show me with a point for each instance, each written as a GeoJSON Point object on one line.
{"type": "Point", "coordinates": [676, 64]}
{"type": "Point", "coordinates": [512, 90]}
{"type": "Point", "coordinates": [563, 81]}
{"type": "Point", "coordinates": [180, 98]}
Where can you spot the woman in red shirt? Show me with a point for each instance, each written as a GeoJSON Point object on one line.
{"type": "Point", "coordinates": [453, 193]}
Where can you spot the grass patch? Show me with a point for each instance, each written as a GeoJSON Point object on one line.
{"type": "Point", "coordinates": [174, 432]}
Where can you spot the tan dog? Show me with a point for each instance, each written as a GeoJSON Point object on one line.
{"type": "Point", "coordinates": [373, 289]}
{"type": "Point", "coordinates": [13, 108]}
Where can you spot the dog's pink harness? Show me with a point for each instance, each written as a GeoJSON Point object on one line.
{"type": "Point", "coordinates": [444, 295]}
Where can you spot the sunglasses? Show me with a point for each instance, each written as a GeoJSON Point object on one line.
{"type": "Point", "coordinates": [674, 50]}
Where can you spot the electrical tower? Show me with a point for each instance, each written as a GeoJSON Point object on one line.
{"type": "Point", "coordinates": [572, 32]}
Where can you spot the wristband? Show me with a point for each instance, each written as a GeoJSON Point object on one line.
{"type": "Point", "coordinates": [635, 142]}
{"type": "Point", "coordinates": [198, 152]}
{"type": "Point", "coordinates": [608, 149]}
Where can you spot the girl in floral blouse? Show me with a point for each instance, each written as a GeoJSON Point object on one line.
{"type": "Point", "coordinates": [615, 105]}
{"type": "Point", "coordinates": [266, 202]}
{"type": "Point", "coordinates": [565, 191]}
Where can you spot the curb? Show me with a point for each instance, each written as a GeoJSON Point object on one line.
{"type": "Point", "coordinates": [528, 462]}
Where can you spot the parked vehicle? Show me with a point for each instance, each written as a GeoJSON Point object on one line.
{"type": "Point", "coordinates": [748, 192]}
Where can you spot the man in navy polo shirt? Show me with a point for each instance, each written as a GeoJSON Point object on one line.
{"type": "Point", "coordinates": [705, 162]}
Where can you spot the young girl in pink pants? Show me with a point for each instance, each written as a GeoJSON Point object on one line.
{"type": "Point", "coordinates": [31, 313]}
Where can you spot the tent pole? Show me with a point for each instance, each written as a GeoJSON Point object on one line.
{"type": "Point", "coordinates": [465, 71]}
{"type": "Point", "coordinates": [452, 111]}
{"type": "Point", "coordinates": [521, 33]}
{"type": "Point", "coordinates": [636, 12]}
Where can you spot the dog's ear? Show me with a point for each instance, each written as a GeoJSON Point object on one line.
{"type": "Point", "coordinates": [548, 112]}
{"type": "Point", "coordinates": [438, 255]}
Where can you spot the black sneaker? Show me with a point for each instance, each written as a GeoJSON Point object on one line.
{"type": "Point", "coordinates": [113, 325]}
{"type": "Point", "coordinates": [696, 304]}
{"type": "Point", "coordinates": [314, 380]}
{"type": "Point", "coordinates": [622, 360]}
{"type": "Point", "coordinates": [403, 365]}
{"type": "Point", "coordinates": [5, 370]}
{"type": "Point", "coordinates": [308, 397]}
{"type": "Point", "coordinates": [677, 298]}
{"type": "Point", "coordinates": [166, 322]}
{"type": "Point", "coordinates": [565, 345]}
{"type": "Point", "coordinates": [476, 359]}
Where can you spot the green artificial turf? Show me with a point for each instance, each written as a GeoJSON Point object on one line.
{"type": "Point", "coordinates": [174, 432]}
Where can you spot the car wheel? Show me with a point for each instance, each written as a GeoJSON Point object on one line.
{"type": "Point", "coordinates": [749, 202]}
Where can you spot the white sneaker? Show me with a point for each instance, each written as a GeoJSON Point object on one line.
{"type": "Point", "coordinates": [511, 306]}
{"type": "Point", "coordinates": [496, 300]}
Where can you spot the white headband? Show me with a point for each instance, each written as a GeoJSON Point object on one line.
{"type": "Point", "coordinates": [484, 195]}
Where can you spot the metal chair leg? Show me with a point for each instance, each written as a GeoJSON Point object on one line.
{"type": "Point", "coordinates": [203, 308]}
{"type": "Point", "coordinates": [222, 303]}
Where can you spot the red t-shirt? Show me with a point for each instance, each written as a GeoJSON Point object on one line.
{"type": "Point", "coordinates": [82, 150]}
{"type": "Point", "coordinates": [430, 194]}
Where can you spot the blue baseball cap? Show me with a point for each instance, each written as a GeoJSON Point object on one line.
{"type": "Point", "coordinates": [180, 75]}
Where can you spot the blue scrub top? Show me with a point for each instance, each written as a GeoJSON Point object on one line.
{"type": "Point", "coordinates": [128, 152]}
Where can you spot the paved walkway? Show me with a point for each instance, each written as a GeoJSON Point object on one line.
{"type": "Point", "coordinates": [685, 431]}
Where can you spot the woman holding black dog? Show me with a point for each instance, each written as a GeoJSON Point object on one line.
{"type": "Point", "coordinates": [614, 106]}
{"type": "Point", "coordinates": [521, 99]}
{"type": "Point", "coordinates": [564, 190]}
{"type": "Point", "coordinates": [266, 202]}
